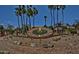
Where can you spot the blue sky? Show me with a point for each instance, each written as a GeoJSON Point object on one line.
{"type": "Point", "coordinates": [7, 14]}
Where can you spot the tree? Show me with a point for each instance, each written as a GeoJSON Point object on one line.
{"type": "Point", "coordinates": [1, 28]}
{"type": "Point", "coordinates": [62, 8]}
{"type": "Point", "coordinates": [10, 29]}
{"type": "Point", "coordinates": [35, 12]}
{"type": "Point", "coordinates": [20, 13]}
{"type": "Point", "coordinates": [45, 17]}
{"type": "Point", "coordinates": [29, 14]}
{"type": "Point", "coordinates": [50, 7]}
{"type": "Point", "coordinates": [23, 13]}
{"type": "Point", "coordinates": [57, 8]}
{"type": "Point", "coordinates": [52, 10]}
{"type": "Point", "coordinates": [17, 14]}
{"type": "Point", "coordinates": [54, 14]}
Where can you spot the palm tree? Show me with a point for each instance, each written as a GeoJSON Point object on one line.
{"type": "Point", "coordinates": [29, 14]}
{"type": "Point", "coordinates": [54, 7]}
{"type": "Point", "coordinates": [45, 17]}
{"type": "Point", "coordinates": [35, 12]}
{"type": "Point", "coordinates": [20, 13]}
{"type": "Point", "coordinates": [62, 7]}
{"type": "Point", "coordinates": [50, 7]}
{"type": "Point", "coordinates": [17, 14]}
{"type": "Point", "coordinates": [24, 19]}
{"type": "Point", "coordinates": [23, 12]}
{"type": "Point", "coordinates": [57, 8]}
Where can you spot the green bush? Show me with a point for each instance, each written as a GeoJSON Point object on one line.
{"type": "Point", "coordinates": [73, 31]}
{"type": "Point", "coordinates": [50, 27]}
{"type": "Point", "coordinates": [37, 32]}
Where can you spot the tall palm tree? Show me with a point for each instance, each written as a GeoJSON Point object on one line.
{"type": "Point", "coordinates": [62, 8]}
{"type": "Point", "coordinates": [29, 14]}
{"type": "Point", "coordinates": [45, 17]}
{"type": "Point", "coordinates": [23, 13]}
{"type": "Point", "coordinates": [17, 14]}
{"type": "Point", "coordinates": [20, 13]}
{"type": "Point", "coordinates": [52, 10]}
{"type": "Point", "coordinates": [35, 12]}
{"type": "Point", "coordinates": [57, 8]}
{"type": "Point", "coordinates": [54, 7]}
{"type": "Point", "coordinates": [50, 7]}
{"type": "Point", "coordinates": [24, 19]}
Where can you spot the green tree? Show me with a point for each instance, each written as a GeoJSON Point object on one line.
{"type": "Point", "coordinates": [10, 29]}
{"type": "Point", "coordinates": [1, 28]}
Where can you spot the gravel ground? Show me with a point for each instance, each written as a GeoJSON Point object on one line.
{"type": "Point", "coordinates": [65, 44]}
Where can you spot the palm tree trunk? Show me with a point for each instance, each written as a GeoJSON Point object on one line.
{"type": "Point", "coordinates": [26, 20]}
{"type": "Point", "coordinates": [51, 16]}
{"type": "Point", "coordinates": [22, 23]}
{"type": "Point", "coordinates": [57, 17]}
{"type": "Point", "coordinates": [26, 24]}
{"type": "Point", "coordinates": [30, 22]}
{"type": "Point", "coordinates": [45, 21]}
{"type": "Point", "coordinates": [33, 21]}
{"type": "Point", "coordinates": [62, 16]}
{"type": "Point", "coordinates": [23, 19]}
{"type": "Point", "coordinates": [57, 22]}
{"type": "Point", "coordinates": [18, 21]}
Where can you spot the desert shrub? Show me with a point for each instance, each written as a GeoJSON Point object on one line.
{"type": "Point", "coordinates": [50, 27]}
{"type": "Point", "coordinates": [72, 31]}
{"type": "Point", "coordinates": [37, 32]}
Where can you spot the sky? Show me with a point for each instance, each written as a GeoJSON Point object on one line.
{"type": "Point", "coordinates": [8, 16]}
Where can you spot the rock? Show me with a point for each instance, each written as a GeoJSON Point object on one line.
{"type": "Point", "coordinates": [33, 44]}
{"type": "Point", "coordinates": [45, 46]}
{"type": "Point", "coordinates": [56, 39]}
{"type": "Point", "coordinates": [18, 42]}
{"type": "Point", "coordinates": [69, 38]}
{"type": "Point", "coordinates": [70, 44]}
{"type": "Point", "coordinates": [4, 52]}
{"type": "Point", "coordinates": [52, 46]}
{"type": "Point", "coordinates": [65, 39]}
{"type": "Point", "coordinates": [15, 42]}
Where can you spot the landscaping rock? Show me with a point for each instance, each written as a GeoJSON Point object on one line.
{"type": "Point", "coordinates": [56, 39]}
{"type": "Point", "coordinates": [52, 46]}
{"type": "Point", "coordinates": [17, 42]}
{"type": "Point", "coordinates": [33, 45]}
{"type": "Point", "coordinates": [4, 52]}
{"type": "Point", "coordinates": [45, 45]}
